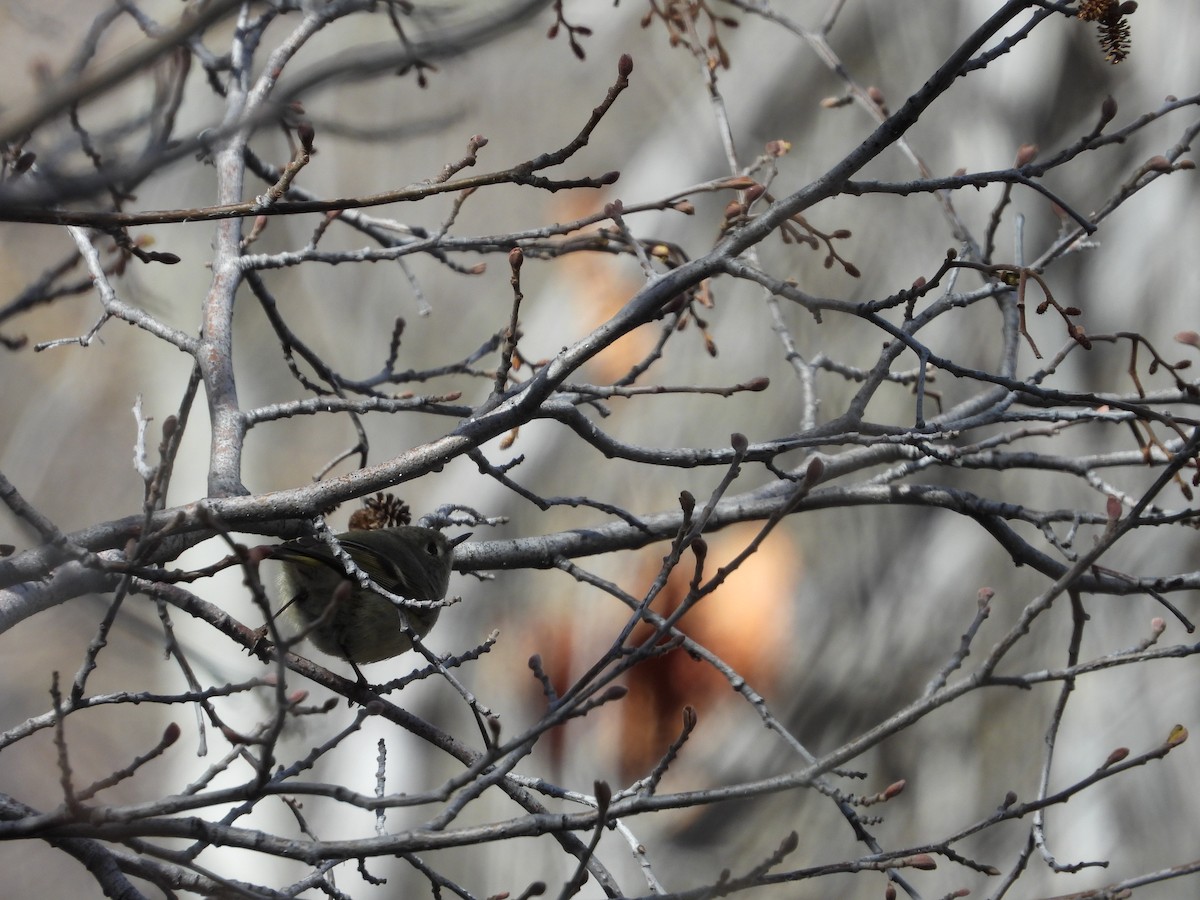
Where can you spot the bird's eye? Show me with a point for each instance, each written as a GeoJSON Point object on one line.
{"type": "Point", "coordinates": [432, 548]}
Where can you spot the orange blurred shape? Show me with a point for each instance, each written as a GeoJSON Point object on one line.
{"type": "Point", "coordinates": [747, 622]}
{"type": "Point", "coordinates": [601, 284]}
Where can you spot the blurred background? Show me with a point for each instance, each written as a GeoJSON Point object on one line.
{"type": "Point", "coordinates": [839, 620]}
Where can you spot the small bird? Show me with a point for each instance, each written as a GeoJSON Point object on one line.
{"type": "Point", "coordinates": [346, 620]}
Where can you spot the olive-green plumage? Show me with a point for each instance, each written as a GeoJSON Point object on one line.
{"type": "Point", "coordinates": [342, 618]}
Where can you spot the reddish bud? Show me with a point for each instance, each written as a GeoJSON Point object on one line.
{"type": "Point", "coordinates": [515, 258]}
{"type": "Point", "coordinates": [789, 843]}
{"type": "Point", "coordinates": [232, 736]}
{"type": "Point", "coordinates": [1026, 154]}
{"type": "Point", "coordinates": [170, 735]}
{"type": "Point", "coordinates": [1115, 757]}
{"type": "Point", "coordinates": [815, 470]}
{"type": "Point", "coordinates": [687, 502]}
{"type": "Point", "coordinates": [1108, 111]}
{"type": "Point", "coordinates": [625, 65]}
{"type": "Point", "coordinates": [307, 134]}
{"type": "Point", "coordinates": [603, 793]}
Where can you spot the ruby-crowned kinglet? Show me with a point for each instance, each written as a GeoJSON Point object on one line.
{"type": "Point", "coordinates": [346, 620]}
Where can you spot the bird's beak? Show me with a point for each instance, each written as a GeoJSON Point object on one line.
{"type": "Point", "coordinates": [455, 541]}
